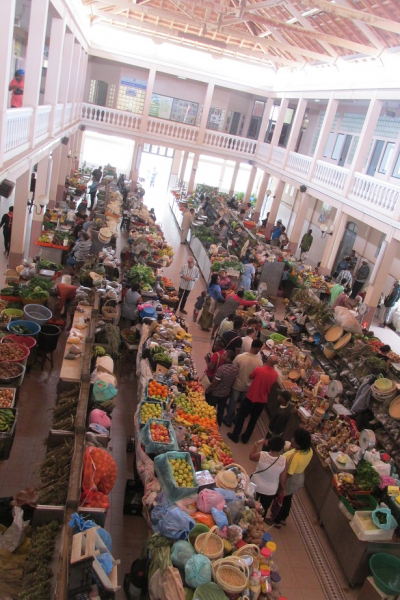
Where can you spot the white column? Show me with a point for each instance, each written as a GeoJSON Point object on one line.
{"type": "Point", "coordinates": [54, 67]}
{"type": "Point", "coordinates": [62, 171]}
{"type": "Point", "coordinates": [374, 291]}
{"type": "Point", "coordinates": [74, 77]}
{"type": "Point", "coordinates": [185, 155]}
{"type": "Point", "coordinates": [333, 242]}
{"type": "Point", "coordinates": [54, 176]}
{"type": "Point", "coordinates": [43, 181]}
{"type": "Point", "coordinates": [34, 59]}
{"type": "Point", "coordinates": [234, 177]}
{"type": "Point", "coordinates": [261, 196]}
{"type": "Point", "coordinates": [136, 158]}
{"type": "Point", "coordinates": [323, 137]}
{"type": "Point", "coordinates": [82, 79]}
{"type": "Point", "coordinates": [21, 195]}
{"type": "Point", "coordinates": [295, 129]}
{"type": "Point", "coordinates": [193, 172]}
{"type": "Point", "coordinates": [175, 168]}
{"type": "Point", "coordinates": [367, 131]}
{"type": "Point", "coordinates": [6, 43]}
{"type": "Point", "coordinates": [299, 222]}
{"type": "Point", "coordinates": [147, 100]}
{"type": "Point", "coordinates": [206, 110]}
{"type": "Point", "coordinates": [273, 213]}
{"type": "Point", "coordinates": [278, 125]}
{"type": "Point", "coordinates": [265, 120]}
{"type": "Point", "coordinates": [250, 184]}
{"type": "Point", "coordinates": [66, 63]}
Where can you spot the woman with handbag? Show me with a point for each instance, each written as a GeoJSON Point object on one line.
{"type": "Point", "coordinates": [270, 473]}
{"type": "Point", "coordinates": [298, 459]}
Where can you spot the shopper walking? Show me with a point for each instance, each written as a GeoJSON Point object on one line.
{"type": "Point", "coordinates": [6, 224]}
{"type": "Point", "coordinates": [360, 278]}
{"type": "Point", "coordinates": [298, 460]}
{"type": "Point", "coordinates": [247, 277]}
{"type": "Point", "coordinates": [220, 387]}
{"type": "Point", "coordinates": [346, 275]}
{"type": "Point", "coordinates": [153, 177]}
{"type": "Point", "coordinates": [247, 340]}
{"type": "Point", "coordinates": [262, 379]}
{"type": "Point", "coordinates": [17, 88]}
{"type": "Point", "coordinates": [130, 307]}
{"type": "Point", "coordinates": [199, 304]}
{"type": "Point", "coordinates": [389, 303]}
{"type": "Point", "coordinates": [189, 274]}
{"type": "Point", "coordinates": [270, 474]}
{"type": "Point", "coordinates": [306, 242]}
{"type": "Point", "coordinates": [213, 295]}
{"type": "Point", "coordinates": [97, 174]}
{"type": "Point", "coordinates": [247, 362]}
{"type": "Point", "coordinates": [93, 191]}
{"type": "Point", "coordinates": [187, 222]}
{"type": "Point", "coordinates": [276, 233]}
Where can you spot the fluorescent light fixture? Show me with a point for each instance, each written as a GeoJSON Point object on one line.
{"type": "Point", "coordinates": [181, 77]}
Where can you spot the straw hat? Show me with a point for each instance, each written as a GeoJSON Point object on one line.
{"type": "Point", "coordinates": [105, 234]}
{"type": "Point", "coordinates": [226, 480]}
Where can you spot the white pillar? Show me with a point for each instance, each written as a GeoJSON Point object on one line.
{"type": "Point", "coordinates": [250, 184]}
{"type": "Point", "coordinates": [21, 195]}
{"type": "Point", "coordinates": [43, 182]}
{"type": "Point", "coordinates": [136, 158]}
{"type": "Point", "coordinates": [147, 100]}
{"type": "Point", "coordinates": [261, 196]}
{"type": "Point", "coordinates": [74, 77]}
{"type": "Point", "coordinates": [234, 177]}
{"type": "Point", "coordinates": [183, 165]}
{"type": "Point", "coordinates": [333, 242]}
{"type": "Point", "coordinates": [278, 125]}
{"type": "Point", "coordinates": [265, 120]}
{"type": "Point", "coordinates": [206, 110]}
{"type": "Point", "coordinates": [374, 290]}
{"type": "Point", "coordinates": [6, 43]}
{"type": "Point", "coordinates": [62, 171]}
{"type": "Point", "coordinates": [82, 79]}
{"type": "Point", "coordinates": [273, 213]}
{"type": "Point", "coordinates": [193, 172]}
{"type": "Point", "coordinates": [299, 222]}
{"type": "Point", "coordinates": [54, 68]}
{"type": "Point", "coordinates": [66, 63]}
{"type": "Point", "coordinates": [323, 137]}
{"type": "Point", "coordinates": [54, 176]}
{"type": "Point", "coordinates": [295, 129]}
{"type": "Point", "coordinates": [367, 131]}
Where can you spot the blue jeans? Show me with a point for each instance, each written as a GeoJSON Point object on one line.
{"type": "Point", "coordinates": [71, 261]}
{"type": "Point", "coordinates": [234, 398]}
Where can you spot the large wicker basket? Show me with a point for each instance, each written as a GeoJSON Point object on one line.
{"type": "Point", "coordinates": [231, 574]}
{"type": "Point", "coordinates": [109, 312]}
{"type": "Point", "coordinates": [250, 550]}
{"type": "Point", "coordinates": [210, 544]}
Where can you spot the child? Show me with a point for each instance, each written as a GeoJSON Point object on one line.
{"type": "Point", "coordinates": [199, 305]}
{"type": "Point", "coordinates": [280, 419]}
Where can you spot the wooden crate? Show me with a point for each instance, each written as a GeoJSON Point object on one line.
{"type": "Point", "coordinates": [89, 543]}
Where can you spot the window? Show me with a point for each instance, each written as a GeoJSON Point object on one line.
{"type": "Point", "coordinates": [111, 95]}
{"type": "Point", "coordinates": [396, 170]}
{"type": "Point", "coordinates": [258, 108]}
{"type": "Point", "coordinates": [271, 124]}
{"type": "Point", "coordinates": [387, 156]}
{"type": "Point", "coordinates": [92, 90]}
{"type": "Point", "coordinates": [131, 99]}
{"type": "Point", "coordinates": [286, 127]}
{"type": "Point", "coordinates": [338, 146]}
{"type": "Point", "coordinates": [329, 144]}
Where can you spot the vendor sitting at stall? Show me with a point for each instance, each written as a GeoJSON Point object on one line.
{"type": "Point", "coordinates": [224, 282]}
{"type": "Point", "coordinates": [223, 232]}
{"type": "Point", "coordinates": [343, 299]}
{"type": "Point", "coordinates": [80, 251]}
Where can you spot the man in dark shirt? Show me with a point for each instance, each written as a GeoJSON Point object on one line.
{"type": "Point", "coordinates": [280, 419]}
{"type": "Point", "coordinates": [220, 388]}
{"type": "Point", "coordinates": [232, 338]}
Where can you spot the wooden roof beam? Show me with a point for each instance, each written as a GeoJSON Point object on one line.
{"type": "Point", "coordinates": [352, 13]}
{"type": "Point", "coordinates": [306, 24]}
{"type": "Point", "coordinates": [366, 30]}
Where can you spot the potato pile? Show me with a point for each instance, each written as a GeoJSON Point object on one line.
{"type": "Point", "coordinates": [6, 398]}
{"type": "Point", "coordinates": [256, 530]}
{"type": "Point", "coordinates": [12, 352]}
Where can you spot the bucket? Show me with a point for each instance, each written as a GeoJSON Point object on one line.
{"type": "Point", "coordinates": [67, 279]}
{"type": "Point", "coordinates": [38, 314]}
{"type": "Point", "coordinates": [31, 328]}
{"type": "Point", "coordinates": [26, 340]}
{"type": "Point", "coordinates": [48, 338]}
{"type": "Point", "coordinates": [149, 312]}
{"type": "Point", "coordinates": [13, 313]}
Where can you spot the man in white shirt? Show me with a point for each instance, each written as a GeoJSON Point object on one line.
{"type": "Point", "coordinates": [188, 276]}
{"type": "Point", "coordinates": [247, 363]}
{"type": "Point", "coordinates": [247, 340]}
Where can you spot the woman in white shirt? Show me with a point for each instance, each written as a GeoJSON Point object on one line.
{"type": "Point", "coordinates": [270, 474]}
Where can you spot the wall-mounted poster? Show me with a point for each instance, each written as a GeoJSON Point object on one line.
{"type": "Point", "coordinates": [160, 106]}
{"type": "Point", "coordinates": [184, 111]}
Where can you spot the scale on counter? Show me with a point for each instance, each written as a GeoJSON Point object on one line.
{"type": "Point", "coordinates": [367, 440]}
{"type": "Point", "coordinates": [335, 389]}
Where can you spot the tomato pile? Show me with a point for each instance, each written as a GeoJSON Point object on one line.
{"type": "Point", "coordinates": [160, 433]}
{"type": "Point", "coordinates": [157, 390]}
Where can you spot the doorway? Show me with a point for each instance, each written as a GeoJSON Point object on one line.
{"type": "Point", "coordinates": [101, 93]}
{"type": "Point", "coordinates": [376, 154]}
{"type": "Point", "coordinates": [345, 150]}
{"type": "Point", "coordinates": [155, 170]}
{"type": "Point", "coordinates": [235, 123]}
{"type": "Point", "coordinates": [347, 243]}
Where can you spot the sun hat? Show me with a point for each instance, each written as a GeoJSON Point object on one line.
{"type": "Point", "coordinates": [226, 480]}
{"type": "Point", "coordinates": [105, 234]}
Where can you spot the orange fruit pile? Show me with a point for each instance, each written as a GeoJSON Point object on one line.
{"type": "Point", "coordinates": [157, 390]}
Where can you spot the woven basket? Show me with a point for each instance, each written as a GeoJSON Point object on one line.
{"type": "Point", "coordinates": [250, 550]}
{"type": "Point", "coordinates": [231, 574]}
{"type": "Point", "coordinates": [229, 467]}
{"type": "Point", "coordinates": [210, 544]}
{"type": "Point", "coordinates": [109, 312]}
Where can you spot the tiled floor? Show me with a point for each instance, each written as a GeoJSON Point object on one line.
{"type": "Point", "coordinates": [299, 579]}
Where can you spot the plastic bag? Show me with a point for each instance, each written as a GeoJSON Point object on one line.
{"type": "Point", "coordinates": [104, 391]}
{"type": "Point", "coordinates": [198, 570]}
{"type": "Point", "coordinates": [208, 499]}
{"type": "Point", "coordinates": [204, 518]}
{"type": "Point", "coordinates": [176, 524]}
{"type": "Point", "coordinates": [99, 470]}
{"type": "Point", "coordinates": [229, 495]}
{"type": "Point", "coordinates": [209, 591]}
{"type": "Point", "coordinates": [181, 552]}
{"type": "Point", "coordinates": [234, 510]}
{"type": "Point", "coordinates": [188, 504]}
{"type": "Point", "coordinates": [106, 562]}
{"type": "Point", "coordinates": [155, 447]}
{"type": "Point", "coordinates": [100, 417]}
{"type": "Point", "coordinates": [158, 513]}
{"type": "Point", "coordinates": [167, 585]}
{"type": "Point", "coordinates": [220, 518]}
{"type": "Point", "coordinates": [13, 537]}
{"type": "Point", "coordinates": [96, 428]}
{"type": "Point", "coordinates": [166, 478]}
{"type": "Point", "coordinates": [105, 363]}
{"type": "Point", "coordinates": [345, 319]}
{"type": "Point", "coordinates": [383, 512]}
{"type": "Point", "coordinates": [81, 524]}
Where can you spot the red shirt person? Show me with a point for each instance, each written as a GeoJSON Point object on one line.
{"type": "Point", "coordinates": [17, 88]}
{"type": "Point", "coordinates": [263, 378]}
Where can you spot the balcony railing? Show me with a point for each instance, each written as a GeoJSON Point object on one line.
{"type": "Point", "coordinates": [232, 143]}
{"type": "Point", "coordinates": [330, 175]}
{"type": "Point", "coordinates": [42, 121]}
{"type": "Point", "coordinates": [17, 131]}
{"type": "Point", "coordinates": [377, 194]}
{"type": "Point", "coordinates": [68, 112]}
{"type": "Point", "coordinates": [117, 119]}
{"type": "Point", "coordinates": [278, 156]}
{"type": "Point", "coordinates": [177, 131]}
{"type": "Point", "coordinates": [299, 163]}
{"type": "Point", "coordinates": [263, 151]}
{"type": "Point", "coordinates": [58, 116]}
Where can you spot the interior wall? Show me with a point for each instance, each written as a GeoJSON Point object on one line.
{"type": "Point", "coordinates": [184, 89]}
{"type": "Point", "coordinates": [111, 72]}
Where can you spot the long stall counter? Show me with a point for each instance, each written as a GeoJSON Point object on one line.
{"type": "Point", "coordinates": [71, 370]}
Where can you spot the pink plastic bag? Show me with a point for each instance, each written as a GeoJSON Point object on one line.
{"type": "Point", "coordinates": [208, 499]}
{"type": "Point", "coordinates": [100, 417]}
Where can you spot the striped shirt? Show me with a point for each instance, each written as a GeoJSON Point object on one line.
{"type": "Point", "coordinates": [345, 275]}
{"type": "Point", "coordinates": [191, 272]}
{"type": "Point", "coordinates": [82, 250]}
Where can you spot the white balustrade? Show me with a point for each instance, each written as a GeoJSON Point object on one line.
{"type": "Point", "coordinates": [330, 175]}
{"type": "Point", "coordinates": [68, 111]}
{"type": "Point", "coordinates": [278, 156]}
{"type": "Point", "coordinates": [42, 121]}
{"type": "Point", "coordinates": [263, 151]}
{"type": "Point", "coordinates": [17, 129]}
{"type": "Point", "coordinates": [299, 163]}
{"type": "Point", "coordinates": [377, 194]}
{"type": "Point", "coordinates": [117, 119]}
{"type": "Point", "coordinates": [233, 143]}
{"type": "Point", "coordinates": [172, 130]}
{"type": "Point", "coordinates": [58, 116]}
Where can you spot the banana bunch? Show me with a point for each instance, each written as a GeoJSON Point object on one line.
{"type": "Point", "coordinates": [7, 418]}
{"type": "Point", "coordinates": [187, 349]}
{"type": "Point", "coordinates": [209, 452]}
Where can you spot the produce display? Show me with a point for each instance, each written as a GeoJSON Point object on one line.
{"type": "Point", "coordinates": [64, 412]}
{"type": "Point", "coordinates": [37, 576]}
{"type": "Point", "coordinates": [12, 352]}
{"type": "Point", "coordinates": [19, 329]}
{"type": "Point", "coordinates": [160, 433]}
{"type": "Point", "coordinates": [54, 474]}
{"type": "Point", "coordinates": [150, 410]}
{"type": "Point", "coordinates": [9, 370]}
{"type": "Point", "coordinates": [141, 274]}
{"type": "Point", "coordinates": [182, 472]}
{"type": "Point", "coordinates": [6, 398]}
{"type": "Point", "coordinates": [161, 356]}
{"type": "Point", "coordinates": [157, 391]}
{"type": "Point", "coordinates": [7, 418]}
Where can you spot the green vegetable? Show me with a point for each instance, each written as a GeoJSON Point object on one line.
{"type": "Point", "coordinates": [250, 295]}
{"type": "Point", "coordinates": [141, 274]}
{"type": "Point", "coordinates": [216, 266]}
{"type": "Point", "coordinates": [51, 266]}
{"type": "Point", "coordinates": [366, 477]}
{"type": "Point", "coordinates": [20, 329]}
{"type": "Point", "coordinates": [42, 283]}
